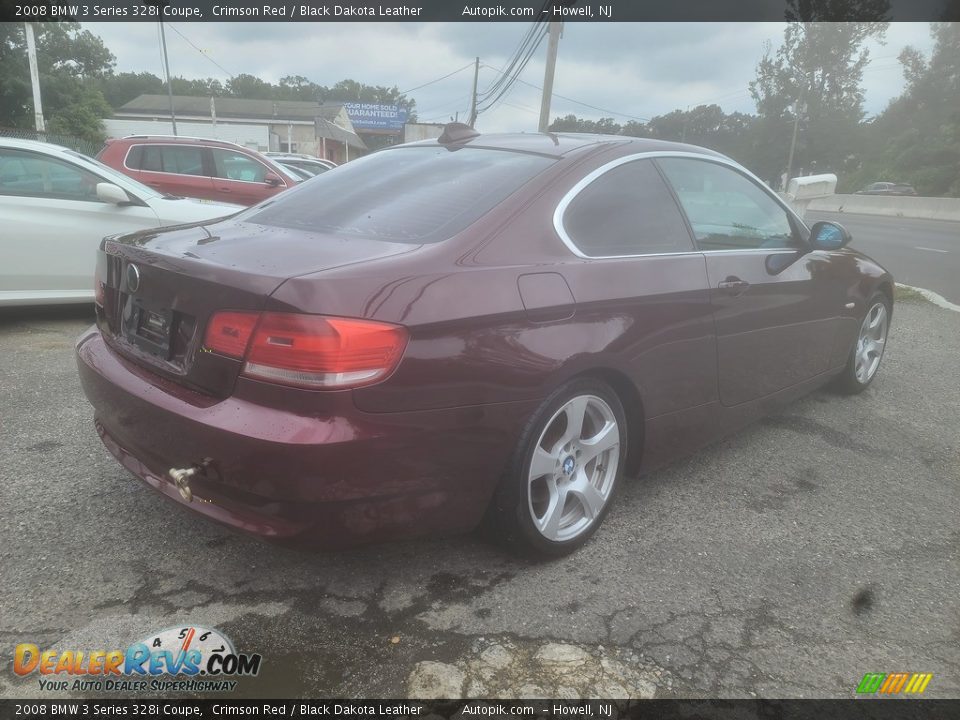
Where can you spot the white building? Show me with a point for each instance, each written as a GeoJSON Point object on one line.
{"type": "Point", "coordinates": [322, 130]}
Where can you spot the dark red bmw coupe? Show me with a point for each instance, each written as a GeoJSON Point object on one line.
{"type": "Point", "coordinates": [475, 327]}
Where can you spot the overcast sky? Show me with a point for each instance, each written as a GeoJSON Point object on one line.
{"type": "Point", "coordinates": [632, 71]}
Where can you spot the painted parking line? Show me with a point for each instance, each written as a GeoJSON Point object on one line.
{"type": "Point", "coordinates": [917, 247]}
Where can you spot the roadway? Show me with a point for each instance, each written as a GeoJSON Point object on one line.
{"type": "Point", "coordinates": [922, 253]}
{"type": "Point", "coordinates": [786, 561]}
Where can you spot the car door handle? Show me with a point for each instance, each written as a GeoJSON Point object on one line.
{"type": "Point", "coordinates": [734, 285]}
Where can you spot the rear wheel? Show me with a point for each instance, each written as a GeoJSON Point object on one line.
{"type": "Point", "coordinates": [867, 352]}
{"type": "Point", "coordinates": [564, 472]}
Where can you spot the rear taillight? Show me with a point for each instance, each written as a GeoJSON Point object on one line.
{"type": "Point", "coordinates": [228, 333]}
{"type": "Point", "coordinates": [309, 351]}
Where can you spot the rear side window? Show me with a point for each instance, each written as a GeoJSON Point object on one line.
{"type": "Point", "coordinates": [177, 159]}
{"type": "Point", "coordinates": [628, 210]}
{"type": "Point", "coordinates": [415, 194]}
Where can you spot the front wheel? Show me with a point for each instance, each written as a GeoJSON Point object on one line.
{"type": "Point", "coordinates": [564, 473]}
{"type": "Point", "coordinates": [864, 360]}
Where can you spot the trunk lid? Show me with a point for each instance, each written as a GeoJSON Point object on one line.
{"type": "Point", "coordinates": [162, 286]}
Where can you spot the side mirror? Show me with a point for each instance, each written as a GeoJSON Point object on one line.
{"type": "Point", "coordinates": [113, 194]}
{"type": "Point", "coordinates": [272, 179]}
{"type": "Point", "coordinates": [829, 236]}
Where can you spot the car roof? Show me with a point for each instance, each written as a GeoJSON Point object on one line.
{"type": "Point", "coordinates": [17, 143]}
{"type": "Point", "coordinates": [185, 140]}
{"type": "Point", "coordinates": [563, 143]}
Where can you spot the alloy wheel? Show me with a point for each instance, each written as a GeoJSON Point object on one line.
{"type": "Point", "coordinates": [573, 468]}
{"type": "Point", "coordinates": [873, 337]}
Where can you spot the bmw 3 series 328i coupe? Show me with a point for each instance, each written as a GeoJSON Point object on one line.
{"type": "Point", "coordinates": [471, 329]}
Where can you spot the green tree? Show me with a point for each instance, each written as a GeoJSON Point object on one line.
{"type": "Point", "coordinates": [250, 87]}
{"type": "Point", "coordinates": [197, 87]}
{"type": "Point", "coordinates": [816, 72]}
{"type": "Point", "coordinates": [572, 123]}
{"type": "Point", "coordinates": [917, 138]}
{"type": "Point", "coordinates": [297, 87]}
{"type": "Point", "coordinates": [120, 88]}
{"type": "Point", "coordinates": [72, 64]}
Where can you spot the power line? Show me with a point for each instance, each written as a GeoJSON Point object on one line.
{"type": "Point", "coordinates": [578, 102]}
{"type": "Point", "coordinates": [512, 74]}
{"type": "Point", "coordinates": [520, 50]}
{"type": "Point", "coordinates": [438, 79]}
{"type": "Point", "coordinates": [202, 52]}
{"type": "Point", "coordinates": [433, 108]}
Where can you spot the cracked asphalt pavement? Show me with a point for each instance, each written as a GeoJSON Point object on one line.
{"type": "Point", "coordinates": [785, 561]}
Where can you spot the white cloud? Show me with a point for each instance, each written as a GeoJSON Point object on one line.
{"type": "Point", "coordinates": [638, 70]}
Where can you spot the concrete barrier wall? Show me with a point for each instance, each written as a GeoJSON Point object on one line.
{"type": "Point", "coordinates": [908, 207]}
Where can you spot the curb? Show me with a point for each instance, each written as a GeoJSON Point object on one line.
{"type": "Point", "coordinates": [938, 300]}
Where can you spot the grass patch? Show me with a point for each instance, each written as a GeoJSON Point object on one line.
{"type": "Point", "coordinates": [901, 293]}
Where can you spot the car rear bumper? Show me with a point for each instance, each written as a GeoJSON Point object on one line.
{"type": "Point", "coordinates": [342, 478]}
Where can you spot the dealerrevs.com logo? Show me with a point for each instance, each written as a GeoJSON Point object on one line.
{"type": "Point", "coordinates": [185, 659]}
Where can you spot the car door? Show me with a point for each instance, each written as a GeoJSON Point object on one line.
{"type": "Point", "coordinates": [239, 178]}
{"type": "Point", "coordinates": [644, 275]}
{"type": "Point", "coordinates": [53, 223]}
{"type": "Point", "coordinates": [776, 305]}
{"type": "Point", "coordinates": [175, 169]}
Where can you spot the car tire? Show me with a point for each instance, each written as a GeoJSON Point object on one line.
{"type": "Point", "coordinates": [867, 351]}
{"type": "Point", "coordinates": [560, 482]}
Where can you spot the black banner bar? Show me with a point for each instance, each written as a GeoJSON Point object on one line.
{"type": "Point", "coordinates": [854, 709]}
{"type": "Point", "coordinates": [473, 11]}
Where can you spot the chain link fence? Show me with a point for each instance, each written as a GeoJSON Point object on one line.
{"type": "Point", "coordinates": [69, 141]}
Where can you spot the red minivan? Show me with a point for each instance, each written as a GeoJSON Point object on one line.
{"type": "Point", "coordinates": [197, 167]}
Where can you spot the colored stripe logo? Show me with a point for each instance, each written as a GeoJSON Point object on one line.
{"type": "Point", "coordinates": [894, 683]}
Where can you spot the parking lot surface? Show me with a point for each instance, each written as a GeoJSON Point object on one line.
{"type": "Point", "coordinates": [786, 561]}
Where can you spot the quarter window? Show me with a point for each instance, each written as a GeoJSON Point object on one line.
{"type": "Point", "coordinates": [231, 165]}
{"type": "Point", "coordinates": [628, 210]}
{"type": "Point", "coordinates": [31, 175]}
{"type": "Point", "coordinates": [727, 210]}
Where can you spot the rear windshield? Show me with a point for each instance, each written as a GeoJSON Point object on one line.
{"type": "Point", "coordinates": [410, 195]}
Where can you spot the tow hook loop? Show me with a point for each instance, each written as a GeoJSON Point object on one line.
{"type": "Point", "coordinates": [181, 478]}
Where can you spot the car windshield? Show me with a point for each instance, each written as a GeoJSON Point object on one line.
{"type": "Point", "coordinates": [115, 176]}
{"type": "Point", "coordinates": [416, 194]}
{"type": "Point", "coordinates": [295, 172]}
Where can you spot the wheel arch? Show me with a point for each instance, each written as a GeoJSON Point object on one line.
{"type": "Point", "coordinates": [629, 395]}
{"type": "Point", "coordinates": [886, 287]}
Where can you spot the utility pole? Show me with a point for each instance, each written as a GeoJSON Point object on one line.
{"type": "Point", "coordinates": [799, 106]}
{"type": "Point", "coordinates": [34, 79]}
{"type": "Point", "coordinates": [473, 103]}
{"type": "Point", "coordinates": [166, 67]}
{"type": "Point", "coordinates": [797, 109]}
{"type": "Point", "coordinates": [552, 43]}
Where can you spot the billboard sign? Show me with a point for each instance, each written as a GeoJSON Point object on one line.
{"type": "Point", "coordinates": [368, 116]}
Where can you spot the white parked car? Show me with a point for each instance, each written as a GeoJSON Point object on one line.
{"type": "Point", "coordinates": [56, 205]}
